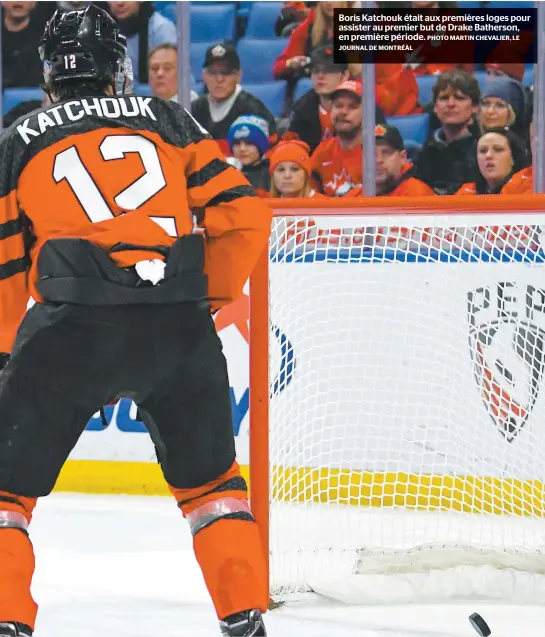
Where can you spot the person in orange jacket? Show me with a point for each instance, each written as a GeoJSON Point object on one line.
{"type": "Point", "coordinates": [500, 154]}
{"type": "Point", "coordinates": [291, 166]}
{"type": "Point", "coordinates": [394, 173]}
{"type": "Point", "coordinates": [290, 169]}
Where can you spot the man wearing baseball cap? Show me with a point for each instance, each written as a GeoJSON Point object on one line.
{"type": "Point", "coordinates": [394, 175]}
{"type": "Point", "coordinates": [225, 100]}
{"type": "Point", "coordinates": [337, 162]}
{"type": "Point", "coordinates": [311, 114]}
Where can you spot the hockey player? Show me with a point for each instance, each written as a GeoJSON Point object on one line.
{"type": "Point", "coordinates": [97, 196]}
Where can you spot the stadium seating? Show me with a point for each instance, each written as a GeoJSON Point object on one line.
{"type": "Point", "coordinates": [142, 89]}
{"type": "Point", "coordinates": [212, 21]}
{"type": "Point", "coordinates": [412, 149]}
{"type": "Point", "coordinates": [168, 9]}
{"type": "Point", "coordinates": [145, 89]}
{"type": "Point", "coordinates": [481, 77]}
{"type": "Point", "coordinates": [244, 8]}
{"type": "Point", "coordinates": [303, 86]}
{"type": "Point", "coordinates": [528, 78]}
{"type": "Point", "coordinates": [413, 128]}
{"type": "Point", "coordinates": [14, 96]}
{"type": "Point", "coordinates": [272, 94]}
{"type": "Point", "coordinates": [196, 58]}
{"type": "Point", "coordinates": [257, 58]}
{"type": "Point", "coordinates": [425, 86]}
{"type": "Point", "coordinates": [262, 18]}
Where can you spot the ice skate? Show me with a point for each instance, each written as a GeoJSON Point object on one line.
{"type": "Point", "coordinates": [249, 623]}
{"type": "Point", "coordinates": [20, 630]}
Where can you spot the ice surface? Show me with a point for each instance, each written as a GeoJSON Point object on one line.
{"type": "Point", "coordinates": [122, 566]}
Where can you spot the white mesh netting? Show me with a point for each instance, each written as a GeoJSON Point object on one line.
{"type": "Point", "coordinates": [407, 418]}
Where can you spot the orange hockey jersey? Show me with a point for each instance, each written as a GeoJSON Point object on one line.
{"type": "Point", "coordinates": [336, 171]}
{"type": "Point", "coordinates": [120, 169]}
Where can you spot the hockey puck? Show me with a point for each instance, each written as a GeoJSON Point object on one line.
{"type": "Point", "coordinates": [479, 625]}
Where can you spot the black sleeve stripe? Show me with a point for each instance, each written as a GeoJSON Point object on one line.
{"type": "Point", "coordinates": [206, 173]}
{"type": "Point", "coordinates": [10, 228]}
{"type": "Point", "coordinates": [15, 266]}
{"type": "Point", "coordinates": [230, 195]}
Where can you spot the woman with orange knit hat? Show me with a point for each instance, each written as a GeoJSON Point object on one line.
{"type": "Point", "coordinates": [290, 169]}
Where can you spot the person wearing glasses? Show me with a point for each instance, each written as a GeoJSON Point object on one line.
{"type": "Point", "coordinates": [225, 99]}
{"type": "Point", "coordinates": [503, 105]}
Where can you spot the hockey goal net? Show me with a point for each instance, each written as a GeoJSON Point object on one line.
{"type": "Point", "coordinates": [397, 404]}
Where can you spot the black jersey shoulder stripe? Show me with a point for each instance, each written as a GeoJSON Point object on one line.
{"type": "Point", "coordinates": [231, 194]}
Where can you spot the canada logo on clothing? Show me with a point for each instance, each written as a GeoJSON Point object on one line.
{"type": "Point", "coordinates": [507, 346]}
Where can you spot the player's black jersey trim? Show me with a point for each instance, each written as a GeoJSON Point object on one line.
{"type": "Point", "coordinates": [231, 195]}
{"type": "Point", "coordinates": [233, 484]}
{"type": "Point", "coordinates": [10, 228]}
{"type": "Point", "coordinates": [15, 266]}
{"type": "Point", "coordinates": [206, 173]}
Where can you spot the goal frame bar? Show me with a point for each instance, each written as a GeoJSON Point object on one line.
{"type": "Point", "coordinates": [504, 207]}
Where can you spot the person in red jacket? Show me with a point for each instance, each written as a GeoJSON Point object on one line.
{"type": "Point", "coordinates": [315, 31]}
{"type": "Point", "coordinates": [396, 87]}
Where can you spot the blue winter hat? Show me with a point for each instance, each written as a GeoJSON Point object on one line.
{"type": "Point", "coordinates": [508, 90]}
{"type": "Point", "coordinates": [251, 129]}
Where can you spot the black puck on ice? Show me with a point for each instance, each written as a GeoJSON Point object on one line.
{"type": "Point", "coordinates": [479, 625]}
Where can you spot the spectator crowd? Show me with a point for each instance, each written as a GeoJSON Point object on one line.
{"type": "Point", "coordinates": [471, 133]}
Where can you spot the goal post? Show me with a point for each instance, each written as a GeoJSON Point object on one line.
{"type": "Point", "coordinates": [397, 409]}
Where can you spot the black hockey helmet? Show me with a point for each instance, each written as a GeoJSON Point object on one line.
{"type": "Point", "coordinates": [85, 44]}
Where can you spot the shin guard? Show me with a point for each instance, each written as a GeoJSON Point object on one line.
{"type": "Point", "coordinates": [226, 542]}
{"type": "Point", "coordinates": [16, 560]}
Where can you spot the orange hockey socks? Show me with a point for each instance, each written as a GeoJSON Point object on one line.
{"type": "Point", "coordinates": [16, 560]}
{"type": "Point", "coordinates": [226, 542]}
